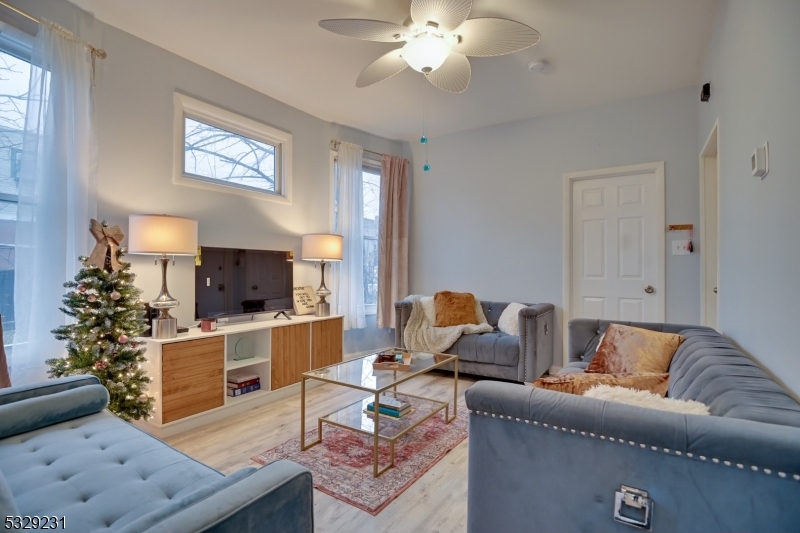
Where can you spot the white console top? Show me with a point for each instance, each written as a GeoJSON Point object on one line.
{"type": "Point", "coordinates": [242, 327]}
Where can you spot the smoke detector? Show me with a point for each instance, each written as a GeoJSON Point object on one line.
{"type": "Point", "coordinates": [537, 66]}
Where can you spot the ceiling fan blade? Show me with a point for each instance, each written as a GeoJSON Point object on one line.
{"type": "Point", "coordinates": [384, 67]}
{"type": "Point", "coordinates": [448, 14]}
{"type": "Point", "coordinates": [367, 30]}
{"type": "Point", "coordinates": [484, 37]}
{"type": "Point", "coordinates": [453, 75]}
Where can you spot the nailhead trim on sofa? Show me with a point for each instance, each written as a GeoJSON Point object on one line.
{"type": "Point", "coordinates": [714, 460]}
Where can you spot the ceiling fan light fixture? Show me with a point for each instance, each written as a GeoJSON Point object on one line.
{"type": "Point", "coordinates": [426, 52]}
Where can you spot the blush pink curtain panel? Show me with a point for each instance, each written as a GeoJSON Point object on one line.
{"type": "Point", "coordinates": [392, 238]}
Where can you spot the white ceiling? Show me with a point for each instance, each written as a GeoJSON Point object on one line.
{"type": "Point", "coordinates": [599, 51]}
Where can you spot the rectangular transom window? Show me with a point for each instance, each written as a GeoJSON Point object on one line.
{"type": "Point", "coordinates": [218, 149]}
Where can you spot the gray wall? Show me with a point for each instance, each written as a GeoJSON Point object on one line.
{"type": "Point", "coordinates": [488, 217]}
{"type": "Point", "coordinates": [135, 86]}
{"type": "Point", "coordinates": [753, 65]}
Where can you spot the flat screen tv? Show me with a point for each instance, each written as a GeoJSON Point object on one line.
{"type": "Point", "coordinates": [234, 281]}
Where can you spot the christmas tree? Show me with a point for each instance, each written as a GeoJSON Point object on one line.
{"type": "Point", "coordinates": [109, 318]}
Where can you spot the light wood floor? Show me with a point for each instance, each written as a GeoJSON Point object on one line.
{"type": "Point", "coordinates": [437, 502]}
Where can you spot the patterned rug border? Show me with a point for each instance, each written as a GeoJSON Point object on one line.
{"type": "Point", "coordinates": [311, 435]}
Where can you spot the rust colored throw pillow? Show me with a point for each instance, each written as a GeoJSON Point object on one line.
{"type": "Point", "coordinates": [629, 349]}
{"type": "Point", "coordinates": [578, 383]}
{"type": "Point", "coordinates": [454, 308]}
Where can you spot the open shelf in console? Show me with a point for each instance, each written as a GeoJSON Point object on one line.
{"type": "Point", "coordinates": [257, 344]}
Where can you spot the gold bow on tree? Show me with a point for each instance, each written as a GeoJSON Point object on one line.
{"type": "Point", "coordinates": [106, 238]}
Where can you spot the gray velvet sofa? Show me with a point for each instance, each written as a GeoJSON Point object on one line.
{"type": "Point", "coordinates": [63, 455]}
{"type": "Point", "coordinates": [496, 354]}
{"type": "Point", "coordinates": [541, 460]}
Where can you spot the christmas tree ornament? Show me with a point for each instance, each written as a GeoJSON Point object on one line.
{"type": "Point", "coordinates": [107, 246]}
{"type": "Point", "coordinates": [104, 340]}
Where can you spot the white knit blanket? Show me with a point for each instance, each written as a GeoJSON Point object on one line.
{"type": "Point", "coordinates": [421, 334]}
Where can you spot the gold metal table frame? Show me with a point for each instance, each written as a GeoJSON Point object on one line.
{"type": "Point", "coordinates": [319, 375]}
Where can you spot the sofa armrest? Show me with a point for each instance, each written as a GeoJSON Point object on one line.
{"type": "Point", "coordinates": [277, 497]}
{"type": "Point", "coordinates": [536, 335]}
{"type": "Point", "coordinates": [37, 412]}
{"type": "Point", "coordinates": [44, 388]}
{"type": "Point", "coordinates": [573, 453]}
{"type": "Point", "coordinates": [402, 312]}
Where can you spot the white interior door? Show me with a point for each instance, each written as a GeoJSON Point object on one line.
{"type": "Point", "coordinates": [617, 244]}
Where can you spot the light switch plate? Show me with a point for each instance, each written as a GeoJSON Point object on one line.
{"type": "Point", "coordinates": [680, 248]}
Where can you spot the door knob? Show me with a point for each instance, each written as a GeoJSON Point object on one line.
{"type": "Point", "coordinates": [649, 289]}
{"type": "Point", "coordinates": [255, 287]}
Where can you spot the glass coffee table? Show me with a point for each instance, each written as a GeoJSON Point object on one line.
{"type": "Point", "coordinates": [358, 374]}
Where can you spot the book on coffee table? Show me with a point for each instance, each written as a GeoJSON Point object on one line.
{"type": "Point", "coordinates": [388, 411]}
{"type": "Point", "coordinates": [391, 413]}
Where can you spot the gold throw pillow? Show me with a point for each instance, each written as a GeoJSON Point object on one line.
{"type": "Point", "coordinates": [578, 383]}
{"type": "Point", "coordinates": [629, 349]}
{"type": "Point", "coordinates": [454, 308]}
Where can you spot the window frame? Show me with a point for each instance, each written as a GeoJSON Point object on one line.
{"type": "Point", "coordinates": [187, 107]}
{"type": "Point", "coordinates": [19, 44]}
{"type": "Point", "coordinates": [373, 166]}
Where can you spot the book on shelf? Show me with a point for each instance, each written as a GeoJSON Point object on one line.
{"type": "Point", "coordinates": [244, 390]}
{"type": "Point", "coordinates": [393, 403]}
{"type": "Point", "coordinates": [388, 411]}
{"type": "Point", "coordinates": [244, 383]}
{"type": "Point", "coordinates": [241, 378]}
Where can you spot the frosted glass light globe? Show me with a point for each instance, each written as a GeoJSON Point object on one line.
{"type": "Point", "coordinates": [425, 53]}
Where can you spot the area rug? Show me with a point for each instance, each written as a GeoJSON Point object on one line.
{"type": "Point", "coordinates": [341, 465]}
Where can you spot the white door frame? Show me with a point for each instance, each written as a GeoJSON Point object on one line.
{"type": "Point", "coordinates": [656, 168]}
{"type": "Point", "coordinates": [713, 137]}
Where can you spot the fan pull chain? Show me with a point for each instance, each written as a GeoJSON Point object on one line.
{"type": "Point", "coordinates": [424, 139]}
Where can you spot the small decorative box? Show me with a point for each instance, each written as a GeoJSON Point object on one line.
{"type": "Point", "coordinates": [208, 324]}
{"type": "Point", "coordinates": [392, 360]}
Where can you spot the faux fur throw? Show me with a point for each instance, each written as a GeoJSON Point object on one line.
{"type": "Point", "coordinates": [646, 399]}
{"type": "Point", "coordinates": [421, 334]}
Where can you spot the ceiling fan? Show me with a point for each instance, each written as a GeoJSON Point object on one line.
{"type": "Point", "coordinates": [437, 43]}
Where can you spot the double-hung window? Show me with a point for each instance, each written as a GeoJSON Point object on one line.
{"type": "Point", "coordinates": [15, 70]}
{"type": "Point", "coordinates": [220, 150]}
{"type": "Point", "coordinates": [371, 188]}
{"type": "Point", "coordinates": [371, 175]}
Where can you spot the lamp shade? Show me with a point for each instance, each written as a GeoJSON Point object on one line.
{"type": "Point", "coordinates": [162, 234]}
{"type": "Point", "coordinates": [322, 247]}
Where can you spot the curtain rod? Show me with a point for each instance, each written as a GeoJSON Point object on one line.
{"type": "Point", "coordinates": [336, 144]}
{"type": "Point", "coordinates": [95, 51]}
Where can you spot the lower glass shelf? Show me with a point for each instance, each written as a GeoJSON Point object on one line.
{"type": "Point", "coordinates": [355, 416]}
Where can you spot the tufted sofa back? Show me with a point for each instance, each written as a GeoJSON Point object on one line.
{"type": "Point", "coordinates": [707, 368]}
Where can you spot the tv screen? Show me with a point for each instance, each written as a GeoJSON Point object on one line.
{"type": "Point", "coordinates": [233, 281]}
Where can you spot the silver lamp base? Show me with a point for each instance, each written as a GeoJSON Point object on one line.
{"type": "Point", "coordinates": [322, 308]}
{"type": "Point", "coordinates": [165, 328]}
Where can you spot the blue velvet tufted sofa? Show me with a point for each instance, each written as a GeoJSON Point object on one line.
{"type": "Point", "coordinates": [522, 358]}
{"type": "Point", "coordinates": [63, 455]}
{"type": "Point", "coordinates": [542, 461]}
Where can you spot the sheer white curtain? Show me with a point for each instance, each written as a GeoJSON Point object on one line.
{"type": "Point", "coordinates": [57, 195]}
{"type": "Point", "coordinates": [348, 275]}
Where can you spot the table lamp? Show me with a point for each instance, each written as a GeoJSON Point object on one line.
{"type": "Point", "coordinates": [162, 235]}
{"type": "Point", "coordinates": [322, 247]}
